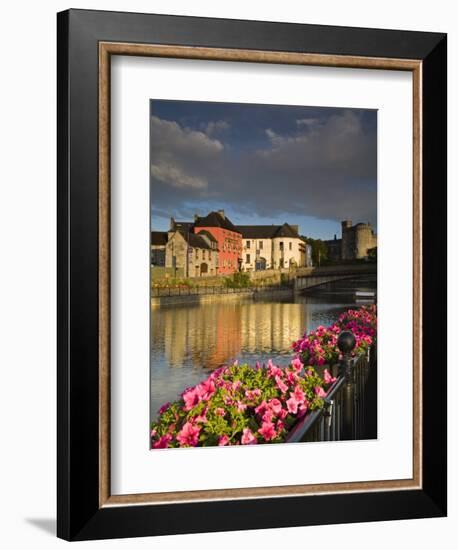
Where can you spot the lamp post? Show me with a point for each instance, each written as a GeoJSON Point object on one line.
{"type": "Point", "coordinates": [346, 343]}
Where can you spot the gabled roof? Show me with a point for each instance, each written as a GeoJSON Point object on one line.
{"type": "Point", "coordinates": [257, 231]}
{"type": "Point", "coordinates": [215, 219]}
{"type": "Point", "coordinates": [267, 231]}
{"type": "Point", "coordinates": [286, 231]}
{"type": "Point", "coordinates": [208, 235]}
{"type": "Point", "coordinates": [195, 241]}
{"type": "Point", "coordinates": [184, 226]}
{"type": "Point", "coordinates": [159, 238]}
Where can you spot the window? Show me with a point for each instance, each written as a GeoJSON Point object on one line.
{"type": "Point", "coordinates": [248, 258]}
{"type": "Point", "coordinates": [260, 245]}
{"type": "Point", "coordinates": [281, 245]}
{"type": "Point", "coordinates": [203, 254]}
{"type": "Point", "coordinates": [290, 245]}
{"type": "Point", "coordinates": [248, 244]}
{"type": "Point", "coordinates": [197, 253]}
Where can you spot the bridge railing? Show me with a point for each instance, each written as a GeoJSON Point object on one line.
{"type": "Point", "coordinates": [350, 406]}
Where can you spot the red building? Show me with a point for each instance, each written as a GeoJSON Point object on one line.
{"type": "Point", "coordinates": [229, 240]}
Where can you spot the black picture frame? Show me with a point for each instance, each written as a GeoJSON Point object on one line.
{"type": "Point", "coordinates": [79, 515]}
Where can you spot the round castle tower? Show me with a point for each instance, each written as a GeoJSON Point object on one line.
{"type": "Point", "coordinates": [357, 240]}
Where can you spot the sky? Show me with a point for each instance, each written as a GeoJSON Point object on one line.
{"type": "Point", "coordinates": [263, 164]}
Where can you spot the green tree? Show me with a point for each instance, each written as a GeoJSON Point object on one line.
{"type": "Point", "coordinates": [319, 250]}
{"type": "Point", "coordinates": [372, 254]}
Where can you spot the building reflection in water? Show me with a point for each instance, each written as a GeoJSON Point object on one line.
{"type": "Point", "coordinates": [210, 335]}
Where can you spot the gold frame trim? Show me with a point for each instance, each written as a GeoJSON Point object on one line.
{"type": "Point", "coordinates": [106, 50]}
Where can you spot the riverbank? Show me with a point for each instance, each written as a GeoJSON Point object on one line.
{"type": "Point", "coordinates": [202, 295]}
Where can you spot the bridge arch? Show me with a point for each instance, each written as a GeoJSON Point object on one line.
{"type": "Point", "coordinates": [311, 281]}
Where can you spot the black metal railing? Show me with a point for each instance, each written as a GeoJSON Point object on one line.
{"type": "Point", "coordinates": [350, 407]}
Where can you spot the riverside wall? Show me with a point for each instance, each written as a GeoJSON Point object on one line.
{"type": "Point", "coordinates": [219, 295]}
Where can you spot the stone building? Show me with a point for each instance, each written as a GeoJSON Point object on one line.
{"type": "Point", "coordinates": [357, 240]}
{"type": "Point", "coordinates": [334, 249]}
{"type": "Point", "coordinates": [158, 242]}
{"type": "Point", "coordinates": [272, 247]}
{"type": "Point", "coordinates": [191, 254]}
{"type": "Point", "coordinates": [355, 243]}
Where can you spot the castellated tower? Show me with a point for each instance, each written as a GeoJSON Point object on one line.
{"type": "Point", "coordinates": [348, 238]}
{"type": "Point", "coordinates": [357, 240]}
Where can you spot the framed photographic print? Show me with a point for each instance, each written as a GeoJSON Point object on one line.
{"type": "Point", "coordinates": [252, 274]}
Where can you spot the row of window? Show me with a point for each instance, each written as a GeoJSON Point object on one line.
{"type": "Point", "coordinates": [261, 245]}
{"type": "Point", "coordinates": [230, 245]}
{"type": "Point", "coordinates": [203, 254]}
{"type": "Point", "coordinates": [229, 263]}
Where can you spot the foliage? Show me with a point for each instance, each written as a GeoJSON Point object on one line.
{"type": "Point", "coordinates": [319, 250]}
{"type": "Point", "coordinates": [238, 280]}
{"type": "Point", "coordinates": [173, 282]}
{"type": "Point", "coordinates": [372, 254]}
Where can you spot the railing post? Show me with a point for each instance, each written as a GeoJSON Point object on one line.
{"type": "Point", "coordinates": [346, 344]}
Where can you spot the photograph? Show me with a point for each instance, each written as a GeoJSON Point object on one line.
{"type": "Point", "coordinates": [263, 274]}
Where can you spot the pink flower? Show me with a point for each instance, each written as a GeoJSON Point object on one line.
{"type": "Point", "coordinates": [302, 409]}
{"type": "Point", "coordinates": [261, 409]}
{"type": "Point", "coordinates": [206, 389]}
{"type": "Point", "coordinates": [219, 411]}
{"type": "Point", "coordinates": [291, 377]}
{"type": "Point", "coordinates": [298, 394]}
{"type": "Point", "coordinates": [189, 435]}
{"type": "Point", "coordinates": [223, 440]}
{"type": "Point", "coordinates": [201, 418]}
{"type": "Point", "coordinates": [267, 416]}
{"type": "Point", "coordinates": [297, 364]}
{"type": "Point", "coordinates": [162, 442]}
{"type": "Point", "coordinates": [190, 398]}
{"type": "Point", "coordinates": [241, 406]}
{"type": "Point", "coordinates": [292, 404]}
{"type": "Point", "coordinates": [267, 431]}
{"type": "Point", "coordinates": [248, 437]}
{"type": "Point", "coordinates": [274, 405]}
{"type": "Point", "coordinates": [319, 391]}
{"type": "Point", "coordinates": [163, 408]}
{"type": "Point", "coordinates": [273, 370]}
{"type": "Point", "coordinates": [328, 379]}
{"type": "Point", "coordinates": [280, 384]}
{"type": "Point", "coordinates": [236, 385]}
{"type": "Point", "coordinates": [251, 395]}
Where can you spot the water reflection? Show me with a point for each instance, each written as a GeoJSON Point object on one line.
{"type": "Point", "coordinates": [189, 340]}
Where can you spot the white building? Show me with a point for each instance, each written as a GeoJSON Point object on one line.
{"type": "Point", "coordinates": [271, 247]}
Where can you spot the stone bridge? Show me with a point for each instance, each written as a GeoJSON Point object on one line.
{"type": "Point", "coordinates": [316, 276]}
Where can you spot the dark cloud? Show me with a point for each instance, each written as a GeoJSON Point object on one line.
{"type": "Point", "coordinates": [326, 168]}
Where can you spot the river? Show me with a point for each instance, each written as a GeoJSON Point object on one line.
{"type": "Point", "coordinates": [189, 340]}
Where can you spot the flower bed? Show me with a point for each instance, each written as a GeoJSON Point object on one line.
{"type": "Point", "coordinates": [319, 347]}
{"type": "Point", "coordinates": [244, 405]}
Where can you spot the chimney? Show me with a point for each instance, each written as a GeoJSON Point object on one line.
{"type": "Point", "coordinates": [346, 224]}
{"type": "Point", "coordinates": [335, 237]}
{"type": "Point", "coordinates": [172, 224]}
{"type": "Point", "coordinates": [221, 213]}
{"type": "Point", "coordinates": [196, 217]}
